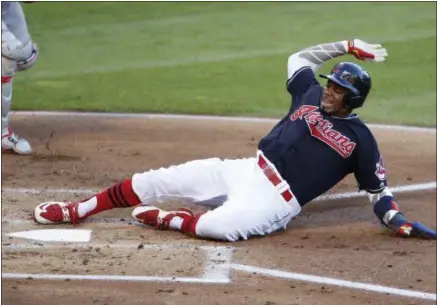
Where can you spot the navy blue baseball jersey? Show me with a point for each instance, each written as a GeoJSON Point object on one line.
{"type": "Point", "coordinates": [313, 151]}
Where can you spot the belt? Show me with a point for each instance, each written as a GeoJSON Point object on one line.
{"type": "Point", "coordinates": [273, 177]}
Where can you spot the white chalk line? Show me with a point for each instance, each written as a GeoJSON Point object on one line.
{"type": "Point", "coordinates": [112, 221]}
{"type": "Point", "coordinates": [197, 117]}
{"type": "Point", "coordinates": [218, 264]}
{"type": "Point", "coordinates": [218, 276]}
{"type": "Point", "coordinates": [132, 222]}
{"type": "Point", "coordinates": [126, 278]}
{"type": "Point", "coordinates": [219, 257]}
{"type": "Point", "coordinates": [216, 268]}
{"type": "Point", "coordinates": [338, 196]}
{"type": "Point", "coordinates": [335, 282]}
{"type": "Point", "coordinates": [396, 189]}
{"type": "Point", "coordinates": [178, 246]}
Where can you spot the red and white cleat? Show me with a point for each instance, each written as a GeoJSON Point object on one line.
{"type": "Point", "coordinates": [160, 219]}
{"type": "Point", "coordinates": [54, 212]}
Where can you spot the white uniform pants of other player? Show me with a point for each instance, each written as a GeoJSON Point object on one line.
{"type": "Point", "coordinates": [19, 53]}
{"type": "Point", "coordinates": [257, 201]}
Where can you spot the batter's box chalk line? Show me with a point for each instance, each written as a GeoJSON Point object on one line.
{"type": "Point", "coordinates": [31, 191]}
{"type": "Point", "coordinates": [217, 267]}
{"type": "Point", "coordinates": [396, 189]}
{"type": "Point", "coordinates": [216, 270]}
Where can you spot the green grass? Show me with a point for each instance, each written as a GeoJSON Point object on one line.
{"type": "Point", "coordinates": [220, 57]}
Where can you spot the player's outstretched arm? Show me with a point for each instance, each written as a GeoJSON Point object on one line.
{"type": "Point", "coordinates": [315, 56]}
{"type": "Point", "coordinates": [386, 209]}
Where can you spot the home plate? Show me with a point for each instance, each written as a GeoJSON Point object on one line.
{"type": "Point", "coordinates": [60, 235]}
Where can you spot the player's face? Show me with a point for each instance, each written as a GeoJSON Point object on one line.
{"type": "Point", "coordinates": [332, 100]}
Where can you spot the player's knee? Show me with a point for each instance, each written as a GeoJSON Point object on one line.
{"type": "Point", "coordinates": [30, 60]}
{"type": "Point", "coordinates": [17, 60]}
{"type": "Point", "coordinates": [16, 49]}
{"type": "Point", "coordinates": [217, 231]}
{"type": "Point", "coordinates": [146, 186]}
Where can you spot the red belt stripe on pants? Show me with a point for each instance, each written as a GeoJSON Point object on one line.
{"type": "Point", "coordinates": [273, 177]}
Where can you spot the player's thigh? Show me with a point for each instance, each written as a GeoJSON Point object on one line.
{"type": "Point", "coordinates": [194, 181]}
{"type": "Point", "coordinates": [17, 46]}
{"type": "Point", "coordinates": [255, 208]}
{"type": "Point", "coordinates": [233, 221]}
{"type": "Point", "coordinates": [13, 17]}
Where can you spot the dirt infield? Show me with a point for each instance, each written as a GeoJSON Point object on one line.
{"type": "Point", "coordinates": [125, 263]}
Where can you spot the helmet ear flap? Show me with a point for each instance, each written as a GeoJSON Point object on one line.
{"type": "Point", "coordinates": [346, 100]}
{"type": "Point", "coordinates": [352, 101]}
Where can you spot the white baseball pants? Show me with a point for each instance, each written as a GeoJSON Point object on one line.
{"type": "Point", "coordinates": [246, 199]}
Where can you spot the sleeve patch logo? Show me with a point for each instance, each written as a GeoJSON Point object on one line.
{"type": "Point", "coordinates": [380, 170]}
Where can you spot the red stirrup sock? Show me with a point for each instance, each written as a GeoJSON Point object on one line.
{"type": "Point", "coordinates": [120, 195]}
{"type": "Point", "coordinates": [189, 224]}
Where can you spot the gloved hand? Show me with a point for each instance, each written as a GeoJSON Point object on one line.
{"type": "Point", "coordinates": [365, 51]}
{"type": "Point", "coordinates": [405, 228]}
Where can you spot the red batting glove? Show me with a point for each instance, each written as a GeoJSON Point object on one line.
{"type": "Point", "coordinates": [365, 51]}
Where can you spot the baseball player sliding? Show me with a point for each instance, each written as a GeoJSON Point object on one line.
{"type": "Point", "coordinates": [19, 53]}
{"type": "Point", "coordinates": [310, 150]}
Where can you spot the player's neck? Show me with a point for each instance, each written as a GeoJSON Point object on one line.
{"type": "Point", "coordinates": [342, 113]}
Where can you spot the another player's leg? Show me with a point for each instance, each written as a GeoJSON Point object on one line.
{"type": "Point", "coordinates": [18, 54]}
{"type": "Point", "coordinates": [10, 141]}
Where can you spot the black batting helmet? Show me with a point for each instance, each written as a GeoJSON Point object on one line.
{"type": "Point", "coordinates": [354, 78]}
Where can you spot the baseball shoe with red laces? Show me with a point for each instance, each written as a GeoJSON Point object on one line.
{"type": "Point", "coordinates": [55, 212]}
{"type": "Point", "coordinates": [160, 219]}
